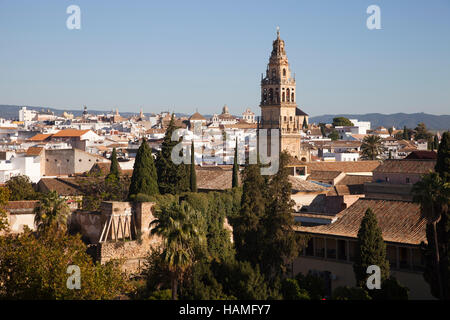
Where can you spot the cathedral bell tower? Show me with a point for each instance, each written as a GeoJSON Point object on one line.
{"type": "Point", "coordinates": [278, 100]}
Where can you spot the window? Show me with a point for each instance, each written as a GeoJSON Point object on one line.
{"type": "Point", "coordinates": [320, 248]}
{"type": "Point", "coordinates": [342, 250]}
{"type": "Point", "coordinates": [290, 118]}
{"type": "Point", "coordinates": [407, 181]}
{"type": "Point", "coordinates": [285, 118]}
{"type": "Point", "coordinates": [331, 249]}
{"type": "Point", "coordinates": [79, 160]}
{"type": "Point", "coordinates": [284, 72]}
{"type": "Point", "coordinates": [387, 179]}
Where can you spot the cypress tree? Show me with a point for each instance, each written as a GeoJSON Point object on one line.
{"type": "Point", "coordinates": [235, 181]}
{"type": "Point", "coordinates": [435, 142]}
{"type": "Point", "coordinates": [282, 244]}
{"type": "Point", "coordinates": [247, 226]}
{"type": "Point", "coordinates": [193, 177]}
{"type": "Point", "coordinates": [443, 157]}
{"type": "Point", "coordinates": [442, 291]}
{"type": "Point", "coordinates": [172, 178]}
{"type": "Point", "coordinates": [305, 125]}
{"type": "Point", "coordinates": [144, 178]}
{"type": "Point", "coordinates": [405, 133]}
{"type": "Point", "coordinates": [114, 168]}
{"type": "Point", "coordinates": [370, 249]}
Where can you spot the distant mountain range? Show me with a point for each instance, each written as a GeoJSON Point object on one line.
{"type": "Point", "coordinates": [397, 120]}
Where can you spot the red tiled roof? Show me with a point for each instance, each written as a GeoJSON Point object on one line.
{"type": "Point", "coordinates": [344, 166]}
{"type": "Point", "coordinates": [400, 221]}
{"type": "Point", "coordinates": [69, 133]}
{"type": "Point", "coordinates": [34, 151]}
{"type": "Point", "coordinates": [406, 166]}
{"type": "Point", "coordinates": [40, 137]}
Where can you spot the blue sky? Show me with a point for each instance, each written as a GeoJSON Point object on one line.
{"type": "Point", "coordinates": [188, 55]}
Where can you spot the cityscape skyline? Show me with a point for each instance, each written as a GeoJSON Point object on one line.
{"type": "Point", "coordinates": [159, 59]}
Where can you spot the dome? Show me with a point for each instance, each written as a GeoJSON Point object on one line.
{"type": "Point", "coordinates": [225, 109]}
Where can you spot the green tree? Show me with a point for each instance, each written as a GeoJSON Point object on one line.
{"type": "Point", "coordinates": [35, 268]}
{"type": "Point", "coordinates": [433, 194]}
{"type": "Point", "coordinates": [322, 129]}
{"type": "Point", "coordinates": [4, 197]}
{"type": "Point", "coordinates": [407, 133]}
{"type": "Point", "coordinates": [52, 211]}
{"type": "Point", "coordinates": [421, 132]}
{"type": "Point", "coordinates": [21, 188]}
{"type": "Point", "coordinates": [114, 168]}
{"type": "Point", "coordinates": [390, 130]}
{"type": "Point", "coordinates": [176, 224]}
{"type": "Point", "coordinates": [281, 242]}
{"type": "Point", "coordinates": [370, 249]}
{"type": "Point", "coordinates": [247, 225]}
{"type": "Point", "coordinates": [235, 179]}
{"type": "Point", "coordinates": [334, 135]}
{"type": "Point", "coordinates": [172, 178]}
{"type": "Point", "coordinates": [305, 124]}
{"type": "Point", "coordinates": [372, 148]}
{"type": "Point", "coordinates": [144, 178]}
{"type": "Point", "coordinates": [443, 157]}
{"type": "Point", "coordinates": [435, 142]}
{"type": "Point", "coordinates": [348, 293]}
{"type": "Point", "coordinates": [391, 289]}
{"type": "Point", "coordinates": [341, 121]}
{"type": "Point", "coordinates": [291, 290]}
{"type": "Point", "coordinates": [193, 174]}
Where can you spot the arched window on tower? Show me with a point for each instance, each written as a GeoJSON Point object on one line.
{"type": "Point", "coordinates": [273, 73]}
{"type": "Point", "coordinates": [284, 72]}
{"type": "Point", "coordinates": [277, 96]}
{"type": "Point", "coordinates": [270, 95]}
{"type": "Point", "coordinates": [287, 94]}
{"type": "Point", "coordinates": [284, 96]}
{"type": "Point", "coordinates": [292, 97]}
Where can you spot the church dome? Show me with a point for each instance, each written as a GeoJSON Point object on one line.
{"type": "Point", "coordinates": [225, 110]}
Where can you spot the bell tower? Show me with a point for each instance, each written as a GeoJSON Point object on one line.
{"type": "Point", "coordinates": [278, 100]}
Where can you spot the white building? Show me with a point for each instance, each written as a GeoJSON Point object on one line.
{"type": "Point", "coordinates": [26, 115]}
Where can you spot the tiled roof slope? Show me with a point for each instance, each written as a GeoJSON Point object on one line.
{"type": "Point", "coordinates": [406, 166]}
{"type": "Point", "coordinates": [344, 166]}
{"type": "Point", "coordinates": [400, 221]}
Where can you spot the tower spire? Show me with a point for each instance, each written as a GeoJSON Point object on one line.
{"type": "Point", "coordinates": [278, 32]}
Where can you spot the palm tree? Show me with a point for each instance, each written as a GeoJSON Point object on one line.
{"type": "Point", "coordinates": [51, 211]}
{"type": "Point", "coordinates": [433, 194]}
{"type": "Point", "coordinates": [371, 148]}
{"type": "Point", "coordinates": [178, 225]}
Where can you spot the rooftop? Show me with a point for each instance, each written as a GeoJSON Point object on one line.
{"type": "Point", "coordinates": [399, 221]}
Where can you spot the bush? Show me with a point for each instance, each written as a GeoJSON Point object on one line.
{"type": "Point", "coordinates": [313, 284]}
{"type": "Point", "coordinates": [347, 293]}
{"type": "Point", "coordinates": [291, 290]}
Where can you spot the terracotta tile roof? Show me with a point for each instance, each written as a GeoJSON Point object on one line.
{"type": "Point", "coordinates": [399, 221]}
{"type": "Point", "coordinates": [34, 151]}
{"type": "Point", "coordinates": [64, 186]}
{"type": "Point", "coordinates": [197, 116]}
{"type": "Point", "coordinates": [23, 204]}
{"type": "Point", "coordinates": [344, 166]}
{"type": "Point", "coordinates": [300, 185]}
{"type": "Point", "coordinates": [70, 133]}
{"type": "Point", "coordinates": [406, 166]}
{"type": "Point", "coordinates": [323, 175]}
{"type": "Point", "coordinates": [422, 154]}
{"type": "Point", "coordinates": [40, 137]}
{"type": "Point", "coordinates": [214, 178]}
{"type": "Point", "coordinates": [342, 190]}
{"type": "Point", "coordinates": [350, 179]}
